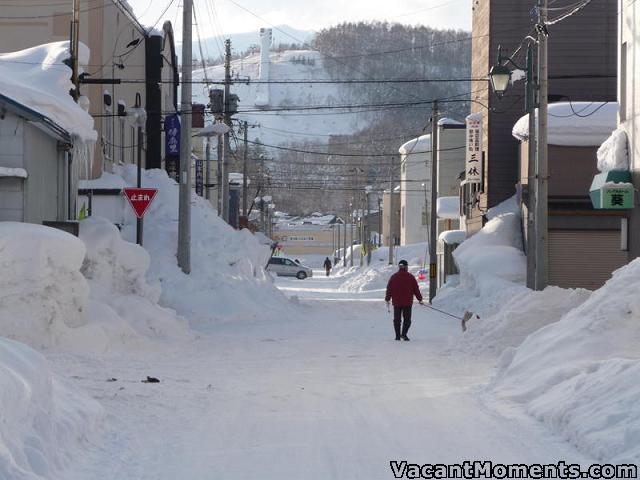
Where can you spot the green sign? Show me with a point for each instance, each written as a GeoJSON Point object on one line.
{"type": "Point", "coordinates": [617, 197]}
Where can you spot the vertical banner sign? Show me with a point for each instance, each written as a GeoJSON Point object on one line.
{"type": "Point", "coordinates": [172, 145]}
{"type": "Point", "coordinates": [473, 163]}
{"type": "Point", "coordinates": [199, 177]}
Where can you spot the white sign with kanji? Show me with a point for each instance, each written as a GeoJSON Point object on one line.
{"type": "Point", "coordinates": [473, 163]}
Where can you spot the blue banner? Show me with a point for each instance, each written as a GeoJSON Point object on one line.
{"type": "Point", "coordinates": [172, 135]}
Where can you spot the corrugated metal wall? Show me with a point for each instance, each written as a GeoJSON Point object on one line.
{"type": "Point", "coordinates": [584, 258]}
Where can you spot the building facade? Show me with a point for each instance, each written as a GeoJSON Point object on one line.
{"type": "Point", "coordinates": [143, 59]}
{"type": "Point", "coordinates": [582, 66]}
{"type": "Point", "coordinates": [629, 100]}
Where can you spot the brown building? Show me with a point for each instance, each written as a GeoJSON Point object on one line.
{"type": "Point", "coordinates": [583, 44]}
{"type": "Point", "coordinates": [585, 244]}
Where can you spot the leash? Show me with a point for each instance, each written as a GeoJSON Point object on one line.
{"type": "Point", "coordinates": [441, 311]}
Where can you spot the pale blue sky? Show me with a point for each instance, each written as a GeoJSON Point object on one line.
{"type": "Point", "coordinates": [230, 17]}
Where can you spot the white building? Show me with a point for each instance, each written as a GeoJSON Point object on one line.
{"type": "Point", "coordinates": [629, 100]}
{"type": "Point", "coordinates": [415, 177]}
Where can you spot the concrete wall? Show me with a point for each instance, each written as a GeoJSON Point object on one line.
{"type": "Point", "coordinates": [629, 96]}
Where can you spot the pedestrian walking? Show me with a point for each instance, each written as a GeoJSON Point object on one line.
{"type": "Point", "coordinates": [401, 289]}
{"type": "Point", "coordinates": [327, 265]}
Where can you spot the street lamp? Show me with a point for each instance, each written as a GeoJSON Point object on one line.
{"type": "Point", "coordinates": [536, 194]}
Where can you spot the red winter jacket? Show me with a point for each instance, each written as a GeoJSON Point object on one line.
{"type": "Point", "coordinates": [401, 288]}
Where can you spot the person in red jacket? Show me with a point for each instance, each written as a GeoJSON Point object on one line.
{"type": "Point", "coordinates": [401, 289]}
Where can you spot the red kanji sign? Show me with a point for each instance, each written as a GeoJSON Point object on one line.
{"type": "Point", "coordinates": [140, 199]}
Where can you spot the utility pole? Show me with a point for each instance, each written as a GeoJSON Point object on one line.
{"type": "Point", "coordinates": [530, 107]}
{"type": "Point", "coordinates": [184, 210]}
{"type": "Point", "coordinates": [75, 47]}
{"type": "Point", "coordinates": [542, 179]}
{"type": "Point", "coordinates": [433, 220]}
{"type": "Point", "coordinates": [339, 242]}
{"type": "Point", "coordinates": [219, 177]}
{"type": "Point", "coordinates": [344, 243]}
{"type": "Point", "coordinates": [367, 194]}
{"type": "Point", "coordinates": [362, 229]}
{"type": "Point", "coordinates": [352, 216]}
{"type": "Point", "coordinates": [207, 177]}
{"type": "Point", "coordinates": [245, 190]}
{"type": "Point", "coordinates": [227, 120]}
{"type": "Point", "coordinates": [391, 210]}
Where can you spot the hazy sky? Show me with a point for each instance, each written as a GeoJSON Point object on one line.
{"type": "Point", "coordinates": [230, 17]}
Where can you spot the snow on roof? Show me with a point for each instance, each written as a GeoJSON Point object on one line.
{"type": "Point", "coordinates": [474, 117]}
{"type": "Point", "coordinates": [13, 172]}
{"type": "Point", "coordinates": [107, 181]}
{"type": "Point", "coordinates": [576, 124]}
{"type": "Point", "coordinates": [613, 154]}
{"type": "Point", "coordinates": [449, 121]}
{"type": "Point", "coordinates": [451, 237]}
{"type": "Point", "coordinates": [417, 145]}
{"type": "Point", "coordinates": [38, 79]}
{"type": "Point", "coordinates": [448, 207]}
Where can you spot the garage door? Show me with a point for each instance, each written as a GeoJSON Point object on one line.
{"type": "Point", "coordinates": [584, 258]}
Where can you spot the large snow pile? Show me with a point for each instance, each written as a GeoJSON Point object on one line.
{"type": "Point", "coordinates": [376, 275]}
{"type": "Point", "coordinates": [491, 284]}
{"type": "Point", "coordinates": [613, 154]}
{"type": "Point", "coordinates": [43, 295]}
{"type": "Point", "coordinates": [579, 124]}
{"type": "Point", "coordinates": [491, 263]}
{"type": "Point", "coordinates": [120, 295]}
{"type": "Point", "coordinates": [581, 375]}
{"type": "Point", "coordinates": [227, 279]}
{"type": "Point", "coordinates": [87, 294]}
{"type": "Point", "coordinates": [38, 78]}
{"type": "Point", "coordinates": [42, 420]}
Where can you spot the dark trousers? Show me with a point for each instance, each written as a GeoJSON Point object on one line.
{"type": "Point", "coordinates": [406, 314]}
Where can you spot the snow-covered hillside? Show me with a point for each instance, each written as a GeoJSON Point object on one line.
{"type": "Point", "coordinates": [286, 126]}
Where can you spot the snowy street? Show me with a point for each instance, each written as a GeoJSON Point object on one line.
{"type": "Point", "coordinates": [325, 393]}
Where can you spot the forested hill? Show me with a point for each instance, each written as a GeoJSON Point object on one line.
{"type": "Point", "coordinates": [374, 51]}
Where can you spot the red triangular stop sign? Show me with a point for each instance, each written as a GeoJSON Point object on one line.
{"type": "Point", "coordinates": [140, 199]}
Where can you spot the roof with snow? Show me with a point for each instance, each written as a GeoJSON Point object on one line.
{"type": "Point", "coordinates": [417, 145]}
{"type": "Point", "coordinates": [575, 124]}
{"type": "Point", "coordinates": [37, 82]}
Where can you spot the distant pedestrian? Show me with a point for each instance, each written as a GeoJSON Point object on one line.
{"type": "Point", "coordinates": [327, 265]}
{"type": "Point", "coordinates": [401, 289]}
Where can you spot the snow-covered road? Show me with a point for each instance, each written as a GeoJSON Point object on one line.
{"type": "Point", "coordinates": [323, 394]}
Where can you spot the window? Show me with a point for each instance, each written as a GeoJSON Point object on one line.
{"type": "Point", "coordinates": [275, 261]}
{"type": "Point", "coordinates": [425, 216]}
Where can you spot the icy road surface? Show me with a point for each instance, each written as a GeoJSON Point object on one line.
{"type": "Point", "coordinates": [325, 394]}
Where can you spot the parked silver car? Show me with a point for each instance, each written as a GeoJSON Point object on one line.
{"type": "Point", "coordinates": [285, 267]}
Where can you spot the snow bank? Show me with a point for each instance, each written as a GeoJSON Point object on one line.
{"type": "Point", "coordinates": [376, 275]}
{"type": "Point", "coordinates": [491, 263]}
{"type": "Point", "coordinates": [42, 294]}
{"type": "Point", "coordinates": [42, 420]}
{"type": "Point", "coordinates": [38, 78]}
{"type": "Point", "coordinates": [592, 127]}
{"type": "Point", "coordinates": [122, 302]}
{"type": "Point", "coordinates": [581, 375]}
{"type": "Point", "coordinates": [87, 294]}
{"type": "Point", "coordinates": [227, 279]}
{"type": "Point", "coordinates": [613, 154]}
{"type": "Point", "coordinates": [452, 237]}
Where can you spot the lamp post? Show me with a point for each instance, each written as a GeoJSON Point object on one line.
{"type": "Point", "coordinates": [536, 198]}
{"type": "Point", "coordinates": [367, 191]}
